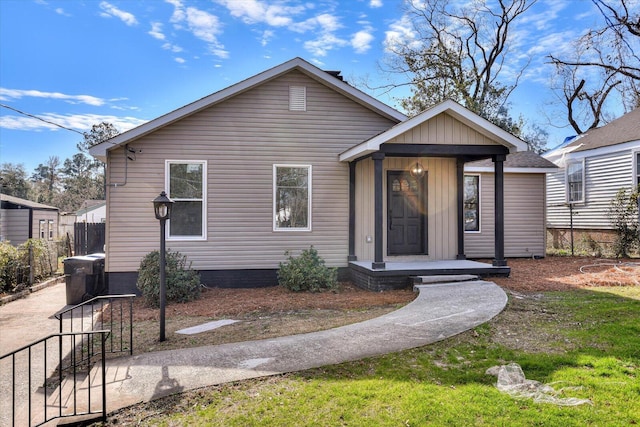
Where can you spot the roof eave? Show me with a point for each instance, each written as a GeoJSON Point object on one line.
{"type": "Point", "coordinates": [100, 150]}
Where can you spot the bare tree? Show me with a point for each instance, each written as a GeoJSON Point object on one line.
{"type": "Point", "coordinates": [459, 53]}
{"type": "Point", "coordinates": [606, 60]}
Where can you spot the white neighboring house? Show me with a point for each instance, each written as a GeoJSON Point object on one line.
{"type": "Point", "coordinates": [593, 167]}
{"type": "Point", "coordinates": [92, 211]}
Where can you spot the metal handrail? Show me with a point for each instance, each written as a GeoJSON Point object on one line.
{"type": "Point", "coordinates": [117, 332]}
{"type": "Point", "coordinates": [71, 370]}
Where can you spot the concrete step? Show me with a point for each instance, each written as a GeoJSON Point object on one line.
{"type": "Point", "coordinates": [449, 278]}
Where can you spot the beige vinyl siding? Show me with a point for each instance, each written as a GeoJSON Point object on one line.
{"type": "Point", "coordinates": [524, 215]}
{"type": "Point", "coordinates": [441, 205]}
{"type": "Point", "coordinates": [241, 139]}
{"type": "Point", "coordinates": [604, 176]}
{"type": "Point", "coordinates": [15, 225]}
{"type": "Point", "coordinates": [442, 129]}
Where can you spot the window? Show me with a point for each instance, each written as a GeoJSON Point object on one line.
{"type": "Point", "coordinates": [472, 203]}
{"type": "Point", "coordinates": [575, 182]}
{"type": "Point", "coordinates": [297, 98]}
{"type": "Point", "coordinates": [292, 197]}
{"type": "Point", "coordinates": [43, 233]}
{"type": "Point", "coordinates": [637, 180]}
{"type": "Point", "coordinates": [51, 234]}
{"type": "Point", "coordinates": [186, 183]}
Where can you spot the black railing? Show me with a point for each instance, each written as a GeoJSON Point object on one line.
{"type": "Point", "coordinates": [32, 363]}
{"type": "Point", "coordinates": [110, 312]}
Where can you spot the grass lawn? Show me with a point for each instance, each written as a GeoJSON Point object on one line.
{"type": "Point", "coordinates": [584, 343]}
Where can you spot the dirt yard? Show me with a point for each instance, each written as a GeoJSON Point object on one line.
{"type": "Point", "coordinates": [527, 275]}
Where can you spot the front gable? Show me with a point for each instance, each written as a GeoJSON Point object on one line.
{"type": "Point", "coordinates": [447, 123]}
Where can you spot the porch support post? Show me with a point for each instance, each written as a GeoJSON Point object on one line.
{"type": "Point", "coordinates": [460, 202]}
{"type": "Point", "coordinates": [378, 158]}
{"type": "Point", "coordinates": [498, 163]}
{"type": "Point", "coordinates": [352, 212]}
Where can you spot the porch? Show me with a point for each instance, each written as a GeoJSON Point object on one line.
{"type": "Point", "coordinates": [399, 274]}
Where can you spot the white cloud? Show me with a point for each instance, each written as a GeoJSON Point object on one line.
{"type": "Point", "coordinates": [202, 24]}
{"type": "Point", "coordinates": [156, 31]}
{"type": "Point", "coordinates": [361, 41]}
{"type": "Point", "coordinates": [400, 34]}
{"type": "Point", "coordinates": [60, 11]}
{"type": "Point", "coordinates": [375, 3]}
{"type": "Point", "coordinates": [266, 37]}
{"type": "Point", "coordinates": [323, 44]}
{"type": "Point", "coordinates": [172, 47]}
{"type": "Point", "coordinates": [80, 122]}
{"type": "Point", "coordinates": [112, 11]}
{"type": "Point", "coordinates": [180, 60]}
{"type": "Point", "coordinates": [256, 11]}
{"type": "Point", "coordinates": [8, 94]}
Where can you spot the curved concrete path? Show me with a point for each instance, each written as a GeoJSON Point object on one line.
{"type": "Point", "coordinates": [440, 311]}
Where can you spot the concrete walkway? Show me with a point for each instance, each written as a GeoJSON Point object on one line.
{"type": "Point", "coordinates": [439, 311]}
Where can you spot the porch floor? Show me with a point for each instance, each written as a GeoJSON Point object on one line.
{"type": "Point", "coordinates": [399, 274]}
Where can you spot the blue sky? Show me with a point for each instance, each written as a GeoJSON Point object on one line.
{"type": "Point", "coordinates": [78, 63]}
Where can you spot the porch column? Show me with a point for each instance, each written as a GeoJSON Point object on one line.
{"type": "Point", "coordinates": [352, 212]}
{"type": "Point", "coordinates": [460, 199]}
{"type": "Point", "coordinates": [498, 163]}
{"type": "Point", "coordinates": [378, 262]}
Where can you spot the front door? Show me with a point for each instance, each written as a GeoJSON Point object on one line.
{"type": "Point", "coordinates": [406, 214]}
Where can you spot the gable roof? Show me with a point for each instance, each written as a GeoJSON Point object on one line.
{"type": "Point", "coordinates": [25, 203]}
{"type": "Point", "coordinates": [624, 129]}
{"type": "Point", "coordinates": [327, 78]}
{"type": "Point", "coordinates": [449, 107]}
{"type": "Point", "coordinates": [521, 161]}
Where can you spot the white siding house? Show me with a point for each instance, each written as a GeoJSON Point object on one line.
{"type": "Point", "coordinates": [593, 167]}
{"type": "Point", "coordinates": [295, 157]}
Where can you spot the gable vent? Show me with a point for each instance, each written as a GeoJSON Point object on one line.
{"type": "Point", "coordinates": [297, 98]}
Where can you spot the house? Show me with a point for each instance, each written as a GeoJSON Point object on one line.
{"type": "Point", "coordinates": [92, 211]}
{"type": "Point", "coordinates": [593, 167]}
{"type": "Point", "coordinates": [21, 220]}
{"type": "Point", "coordinates": [294, 157]}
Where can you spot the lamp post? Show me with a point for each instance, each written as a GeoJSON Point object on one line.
{"type": "Point", "coordinates": [162, 208]}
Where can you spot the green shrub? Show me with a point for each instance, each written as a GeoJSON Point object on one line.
{"type": "Point", "coordinates": [9, 265]}
{"type": "Point", "coordinates": [16, 262]}
{"type": "Point", "coordinates": [307, 272]}
{"type": "Point", "coordinates": [182, 283]}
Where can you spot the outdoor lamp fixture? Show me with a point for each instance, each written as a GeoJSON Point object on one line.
{"type": "Point", "coordinates": [162, 208]}
{"type": "Point", "coordinates": [417, 171]}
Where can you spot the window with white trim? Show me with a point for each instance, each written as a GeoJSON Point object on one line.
{"type": "Point", "coordinates": [292, 197]}
{"type": "Point", "coordinates": [472, 203]}
{"type": "Point", "coordinates": [43, 224]}
{"type": "Point", "coordinates": [186, 186]}
{"type": "Point", "coordinates": [51, 230]}
{"type": "Point", "coordinates": [575, 182]}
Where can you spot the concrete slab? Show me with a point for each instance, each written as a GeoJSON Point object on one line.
{"type": "Point", "coordinates": [206, 327]}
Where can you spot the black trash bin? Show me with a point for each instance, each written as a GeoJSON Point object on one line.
{"type": "Point", "coordinates": [84, 276]}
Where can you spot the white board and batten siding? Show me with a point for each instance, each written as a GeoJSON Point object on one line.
{"type": "Point", "coordinates": [524, 217]}
{"type": "Point", "coordinates": [241, 139]}
{"type": "Point", "coordinates": [605, 175]}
